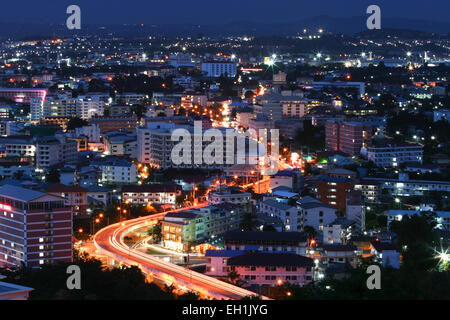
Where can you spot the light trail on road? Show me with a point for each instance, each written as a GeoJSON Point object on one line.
{"type": "Point", "coordinates": [109, 241]}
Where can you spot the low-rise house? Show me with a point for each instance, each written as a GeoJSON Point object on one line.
{"type": "Point", "coordinates": [99, 193]}
{"type": "Point", "coordinates": [386, 253]}
{"type": "Point", "coordinates": [340, 253]}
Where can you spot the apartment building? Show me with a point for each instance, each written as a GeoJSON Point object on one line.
{"type": "Point", "coordinates": [348, 136]}
{"type": "Point", "coordinates": [288, 215]}
{"type": "Point", "coordinates": [314, 213]}
{"type": "Point", "coordinates": [267, 268]}
{"type": "Point", "coordinates": [118, 171]}
{"type": "Point", "coordinates": [242, 199]}
{"type": "Point", "coordinates": [151, 193]}
{"type": "Point", "coordinates": [189, 99]}
{"type": "Point", "coordinates": [394, 154]}
{"type": "Point", "coordinates": [270, 241]}
{"type": "Point", "coordinates": [442, 218]}
{"type": "Point", "coordinates": [22, 95]}
{"type": "Point", "coordinates": [406, 187]}
{"type": "Point", "coordinates": [54, 150]}
{"type": "Point", "coordinates": [155, 145]}
{"type": "Point", "coordinates": [75, 197]}
{"type": "Point", "coordinates": [120, 144]}
{"type": "Point", "coordinates": [9, 169]}
{"type": "Point", "coordinates": [35, 228]}
{"type": "Point", "coordinates": [115, 123]}
{"type": "Point", "coordinates": [216, 69]}
{"type": "Point", "coordinates": [187, 229]}
{"type": "Point", "coordinates": [19, 146]}
{"type": "Point", "coordinates": [333, 191]}
{"type": "Point", "coordinates": [339, 253]}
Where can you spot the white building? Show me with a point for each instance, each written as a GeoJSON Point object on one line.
{"type": "Point", "coordinates": [92, 132]}
{"type": "Point", "coordinates": [314, 213]}
{"type": "Point", "coordinates": [289, 215]}
{"type": "Point", "coordinates": [87, 107]}
{"type": "Point", "coordinates": [217, 69]}
{"type": "Point", "coordinates": [442, 217]}
{"type": "Point", "coordinates": [226, 196]}
{"type": "Point", "coordinates": [54, 150]}
{"type": "Point", "coordinates": [151, 193]}
{"type": "Point", "coordinates": [392, 155]}
{"type": "Point", "coordinates": [22, 146]}
{"type": "Point", "coordinates": [120, 171]}
{"type": "Point", "coordinates": [154, 147]}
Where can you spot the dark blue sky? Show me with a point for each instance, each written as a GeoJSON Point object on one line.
{"type": "Point", "coordinates": [214, 11]}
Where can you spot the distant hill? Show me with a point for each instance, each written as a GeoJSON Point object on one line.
{"type": "Point", "coordinates": [349, 26]}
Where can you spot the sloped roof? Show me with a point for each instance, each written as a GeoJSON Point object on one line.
{"type": "Point", "coordinates": [20, 193]}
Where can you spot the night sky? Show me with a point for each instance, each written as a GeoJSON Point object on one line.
{"type": "Point", "coordinates": [214, 11]}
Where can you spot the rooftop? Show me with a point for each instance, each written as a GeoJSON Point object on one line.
{"type": "Point", "coordinates": [268, 235]}
{"type": "Point", "coordinates": [339, 247]}
{"type": "Point", "coordinates": [19, 193]}
{"type": "Point", "coordinates": [261, 259]}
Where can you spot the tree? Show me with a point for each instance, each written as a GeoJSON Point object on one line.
{"type": "Point", "coordinates": [53, 176]}
{"type": "Point", "coordinates": [139, 110]}
{"type": "Point", "coordinates": [97, 282]}
{"type": "Point", "coordinates": [268, 227]}
{"type": "Point", "coordinates": [417, 237]}
{"type": "Point", "coordinates": [234, 278]}
{"type": "Point", "coordinates": [310, 232]}
{"type": "Point", "coordinates": [76, 123]}
{"type": "Point", "coordinates": [248, 222]}
{"type": "Point", "coordinates": [155, 232]}
{"type": "Point", "coordinates": [18, 174]}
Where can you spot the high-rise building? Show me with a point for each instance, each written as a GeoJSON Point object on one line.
{"type": "Point", "coordinates": [347, 136]}
{"type": "Point", "coordinates": [35, 228]}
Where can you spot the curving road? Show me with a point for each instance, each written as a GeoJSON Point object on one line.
{"type": "Point", "coordinates": [109, 241]}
